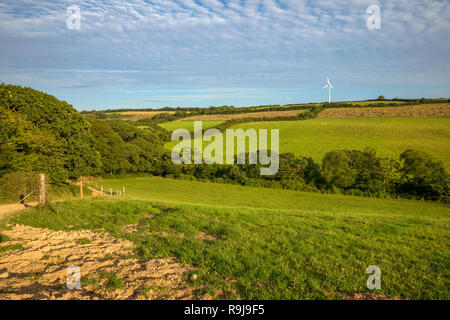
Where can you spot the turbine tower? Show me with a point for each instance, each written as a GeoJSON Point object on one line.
{"type": "Point", "coordinates": [329, 86]}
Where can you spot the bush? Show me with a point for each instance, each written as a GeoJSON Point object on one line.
{"type": "Point", "coordinates": [422, 176]}
{"type": "Point", "coordinates": [337, 170]}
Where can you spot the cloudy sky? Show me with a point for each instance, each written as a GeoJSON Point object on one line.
{"type": "Point", "coordinates": [215, 52]}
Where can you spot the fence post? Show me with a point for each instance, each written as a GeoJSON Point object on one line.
{"type": "Point", "coordinates": [41, 184]}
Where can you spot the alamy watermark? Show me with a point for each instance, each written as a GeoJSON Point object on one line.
{"type": "Point", "coordinates": [74, 280]}
{"type": "Point", "coordinates": [374, 280]}
{"type": "Point", "coordinates": [73, 22]}
{"type": "Point", "coordinates": [374, 18]}
{"type": "Point", "coordinates": [213, 153]}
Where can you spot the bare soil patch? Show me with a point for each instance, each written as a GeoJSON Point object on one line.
{"type": "Point", "coordinates": [7, 209]}
{"type": "Point", "coordinates": [266, 114]}
{"type": "Point", "coordinates": [363, 296]}
{"type": "Point", "coordinates": [418, 111]}
{"type": "Point", "coordinates": [39, 270]}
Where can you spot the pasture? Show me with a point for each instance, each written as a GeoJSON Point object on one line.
{"type": "Point", "coordinates": [389, 136]}
{"type": "Point", "coordinates": [188, 125]}
{"type": "Point", "coordinates": [253, 243]}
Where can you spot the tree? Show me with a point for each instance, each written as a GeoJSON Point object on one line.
{"type": "Point", "coordinates": [423, 176]}
{"type": "Point", "coordinates": [112, 149]}
{"type": "Point", "coordinates": [337, 170]}
{"type": "Point", "coordinates": [58, 120]}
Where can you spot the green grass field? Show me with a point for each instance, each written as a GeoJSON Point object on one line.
{"type": "Point", "coordinates": [273, 244]}
{"type": "Point", "coordinates": [389, 136]}
{"type": "Point", "coordinates": [189, 125]}
{"type": "Point", "coordinates": [314, 138]}
{"type": "Point", "coordinates": [175, 192]}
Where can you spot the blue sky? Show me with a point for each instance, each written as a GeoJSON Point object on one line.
{"type": "Point", "coordinates": [216, 52]}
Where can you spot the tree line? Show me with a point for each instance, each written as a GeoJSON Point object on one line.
{"type": "Point", "coordinates": [415, 175]}
{"type": "Point", "coordinates": [182, 112]}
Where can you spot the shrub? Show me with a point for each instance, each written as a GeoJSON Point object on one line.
{"type": "Point", "coordinates": [337, 170]}
{"type": "Point", "coordinates": [422, 176]}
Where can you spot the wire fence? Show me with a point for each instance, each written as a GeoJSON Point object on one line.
{"type": "Point", "coordinates": [23, 199]}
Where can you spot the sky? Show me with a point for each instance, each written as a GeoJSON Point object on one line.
{"type": "Point", "coordinates": [198, 53]}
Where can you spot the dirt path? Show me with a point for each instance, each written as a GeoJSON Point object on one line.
{"type": "Point", "coordinates": [34, 264]}
{"type": "Point", "coordinates": [36, 268]}
{"type": "Point", "coordinates": [8, 209]}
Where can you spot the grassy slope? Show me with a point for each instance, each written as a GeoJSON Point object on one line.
{"type": "Point", "coordinates": [390, 136]}
{"type": "Point", "coordinates": [275, 244]}
{"type": "Point", "coordinates": [189, 125]}
{"type": "Point", "coordinates": [234, 196]}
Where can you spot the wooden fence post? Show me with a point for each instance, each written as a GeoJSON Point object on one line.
{"type": "Point", "coordinates": [41, 188]}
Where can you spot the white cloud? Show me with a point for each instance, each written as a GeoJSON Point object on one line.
{"type": "Point", "coordinates": [237, 41]}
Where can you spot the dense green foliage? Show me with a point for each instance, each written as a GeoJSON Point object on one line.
{"type": "Point", "coordinates": [113, 150]}
{"type": "Point", "coordinates": [23, 146]}
{"type": "Point", "coordinates": [125, 148]}
{"type": "Point", "coordinates": [422, 176]}
{"type": "Point", "coordinates": [416, 174]}
{"type": "Point", "coordinates": [41, 133]}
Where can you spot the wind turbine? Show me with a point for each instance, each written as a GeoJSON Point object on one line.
{"type": "Point", "coordinates": [329, 86]}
